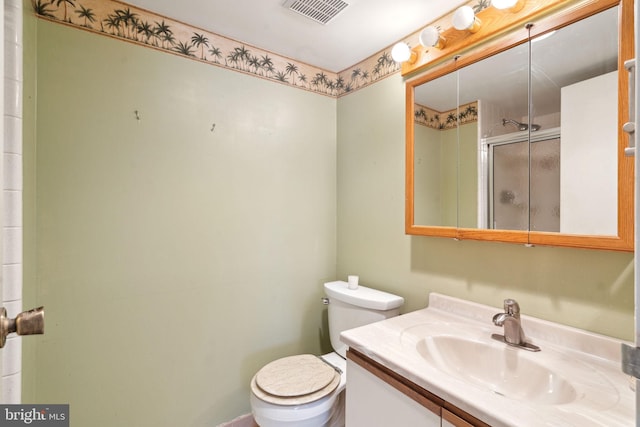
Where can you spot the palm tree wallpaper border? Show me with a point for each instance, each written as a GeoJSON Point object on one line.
{"type": "Point", "coordinates": [444, 120]}
{"type": "Point", "coordinates": [120, 20]}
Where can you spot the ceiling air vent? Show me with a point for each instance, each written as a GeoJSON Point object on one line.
{"type": "Point", "coordinates": [321, 11]}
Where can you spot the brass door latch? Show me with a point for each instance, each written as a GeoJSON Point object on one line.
{"type": "Point", "coordinates": [29, 322]}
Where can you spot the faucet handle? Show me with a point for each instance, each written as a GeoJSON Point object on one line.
{"type": "Point", "coordinates": [511, 307]}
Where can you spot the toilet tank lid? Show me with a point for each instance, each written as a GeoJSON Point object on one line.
{"type": "Point", "coordinates": [362, 296]}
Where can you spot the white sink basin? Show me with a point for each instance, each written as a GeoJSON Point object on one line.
{"type": "Point", "coordinates": [507, 371]}
{"type": "Point", "coordinates": [446, 348]}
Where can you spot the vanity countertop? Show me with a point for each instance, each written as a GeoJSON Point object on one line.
{"type": "Point", "coordinates": [586, 386]}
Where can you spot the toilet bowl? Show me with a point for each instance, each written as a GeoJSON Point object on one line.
{"type": "Point", "coordinates": [325, 409]}
{"type": "Point", "coordinates": [306, 390]}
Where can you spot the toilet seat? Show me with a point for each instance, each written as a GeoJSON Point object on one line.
{"type": "Point", "coordinates": [295, 380]}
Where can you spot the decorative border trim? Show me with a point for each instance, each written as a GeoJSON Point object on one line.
{"type": "Point", "coordinates": [445, 120]}
{"type": "Point", "coordinates": [119, 20]}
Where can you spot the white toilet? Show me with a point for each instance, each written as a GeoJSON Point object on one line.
{"type": "Point", "coordinates": [307, 390]}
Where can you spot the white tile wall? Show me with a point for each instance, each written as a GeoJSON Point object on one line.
{"type": "Point", "coordinates": [12, 96]}
{"type": "Point", "coordinates": [13, 134]}
{"type": "Point", "coordinates": [12, 170]}
{"type": "Point", "coordinates": [11, 372]}
{"type": "Point", "coordinates": [11, 387]}
{"type": "Point", "coordinates": [12, 273]}
{"type": "Point", "coordinates": [12, 359]}
{"type": "Point", "coordinates": [12, 209]}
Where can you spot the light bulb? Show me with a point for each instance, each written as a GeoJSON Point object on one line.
{"type": "Point", "coordinates": [430, 36]}
{"type": "Point", "coordinates": [503, 4]}
{"type": "Point", "coordinates": [401, 52]}
{"type": "Point", "coordinates": [465, 19]}
{"type": "Point", "coordinates": [511, 5]}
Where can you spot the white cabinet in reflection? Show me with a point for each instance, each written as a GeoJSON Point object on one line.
{"type": "Point", "coordinates": [589, 135]}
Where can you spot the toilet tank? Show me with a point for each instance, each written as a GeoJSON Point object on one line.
{"type": "Point", "coordinates": [350, 308]}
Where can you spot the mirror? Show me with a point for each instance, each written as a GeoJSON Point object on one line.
{"type": "Point", "coordinates": [524, 145]}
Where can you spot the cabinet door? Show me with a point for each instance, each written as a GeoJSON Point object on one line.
{"type": "Point", "coordinates": [452, 420]}
{"type": "Point", "coordinates": [372, 402]}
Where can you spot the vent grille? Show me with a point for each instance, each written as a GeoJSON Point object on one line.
{"type": "Point", "coordinates": [321, 11]}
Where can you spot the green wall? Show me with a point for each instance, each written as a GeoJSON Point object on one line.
{"type": "Point", "coordinates": [446, 189]}
{"type": "Point", "coordinates": [174, 261]}
{"type": "Point", "coordinates": [173, 258]}
{"type": "Point", "coordinates": [468, 172]}
{"type": "Point", "coordinates": [427, 203]}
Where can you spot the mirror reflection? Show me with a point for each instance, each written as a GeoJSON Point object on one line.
{"type": "Point", "coordinates": [436, 152]}
{"type": "Point", "coordinates": [525, 139]}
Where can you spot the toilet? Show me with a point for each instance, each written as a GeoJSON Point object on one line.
{"type": "Point", "coordinates": [307, 390]}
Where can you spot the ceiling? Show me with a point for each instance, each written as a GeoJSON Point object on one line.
{"type": "Point", "coordinates": [362, 29]}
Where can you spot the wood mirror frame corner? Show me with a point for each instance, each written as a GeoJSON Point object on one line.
{"type": "Point", "coordinates": [568, 13]}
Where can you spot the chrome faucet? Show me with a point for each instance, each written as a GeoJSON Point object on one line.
{"type": "Point", "coordinates": [513, 333]}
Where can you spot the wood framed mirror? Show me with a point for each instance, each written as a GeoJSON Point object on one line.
{"type": "Point", "coordinates": [520, 139]}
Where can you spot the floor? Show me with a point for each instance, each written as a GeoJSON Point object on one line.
{"type": "Point", "coordinates": [242, 421]}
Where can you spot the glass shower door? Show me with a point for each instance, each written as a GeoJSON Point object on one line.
{"type": "Point", "coordinates": [514, 203]}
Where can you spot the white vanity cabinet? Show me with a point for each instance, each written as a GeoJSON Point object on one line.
{"type": "Point", "coordinates": [378, 397]}
{"type": "Point", "coordinates": [373, 402]}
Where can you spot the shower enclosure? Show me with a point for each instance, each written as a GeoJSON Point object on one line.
{"type": "Point", "coordinates": [521, 182]}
